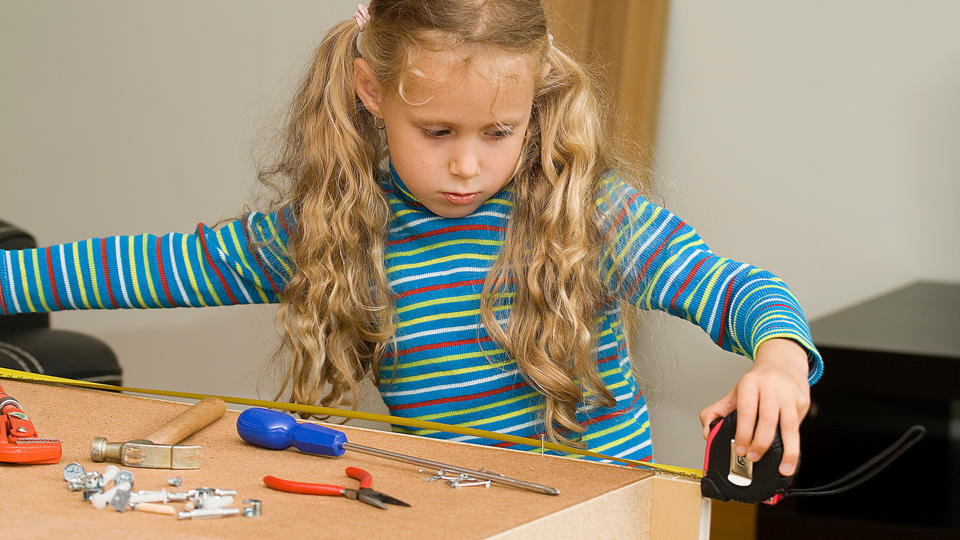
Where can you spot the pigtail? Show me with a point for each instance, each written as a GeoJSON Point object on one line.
{"type": "Point", "coordinates": [336, 309]}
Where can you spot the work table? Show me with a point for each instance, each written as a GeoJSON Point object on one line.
{"type": "Point", "coordinates": [596, 500]}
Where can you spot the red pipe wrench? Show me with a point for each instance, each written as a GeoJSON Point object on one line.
{"type": "Point", "coordinates": [18, 438]}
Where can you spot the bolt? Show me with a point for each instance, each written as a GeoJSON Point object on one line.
{"type": "Point", "coordinates": [73, 470]}
{"type": "Point", "coordinates": [123, 476]}
{"type": "Point", "coordinates": [175, 481]}
{"type": "Point", "coordinates": [485, 483]}
{"type": "Point", "coordinates": [211, 513]}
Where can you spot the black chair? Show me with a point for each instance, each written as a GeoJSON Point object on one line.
{"type": "Point", "coordinates": [27, 343]}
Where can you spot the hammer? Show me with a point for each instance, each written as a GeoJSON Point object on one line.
{"type": "Point", "coordinates": [158, 450]}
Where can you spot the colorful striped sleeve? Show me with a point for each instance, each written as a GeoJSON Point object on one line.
{"type": "Point", "coordinates": [243, 262]}
{"type": "Point", "coordinates": [656, 261]}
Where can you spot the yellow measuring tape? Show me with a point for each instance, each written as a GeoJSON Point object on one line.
{"type": "Point", "coordinates": [6, 373]}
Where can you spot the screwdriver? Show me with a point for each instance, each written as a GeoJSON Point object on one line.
{"type": "Point", "coordinates": [277, 431]}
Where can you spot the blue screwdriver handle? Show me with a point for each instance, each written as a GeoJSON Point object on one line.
{"type": "Point", "coordinates": [276, 430]}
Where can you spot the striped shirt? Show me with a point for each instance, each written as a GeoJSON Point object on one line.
{"type": "Point", "coordinates": [447, 367]}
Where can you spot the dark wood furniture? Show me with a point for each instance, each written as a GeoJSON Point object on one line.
{"type": "Point", "coordinates": [891, 362]}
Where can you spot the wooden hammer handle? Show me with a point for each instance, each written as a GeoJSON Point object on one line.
{"type": "Point", "coordinates": [189, 421]}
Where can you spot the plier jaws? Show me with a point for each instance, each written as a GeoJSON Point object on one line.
{"type": "Point", "coordinates": [366, 494]}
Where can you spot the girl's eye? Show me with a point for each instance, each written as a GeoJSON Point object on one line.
{"type": "Point", "coordinates": [435, 133]}
{"type": "Point", "coordinates": [501, 133]}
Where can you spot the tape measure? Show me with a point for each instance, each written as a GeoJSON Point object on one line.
{"type": "Point", "coordinates": [731, 477]}
{"type": "Point", "coordinates": [374, 417]}
{"type": "Point", "coordinates": [728, 476]}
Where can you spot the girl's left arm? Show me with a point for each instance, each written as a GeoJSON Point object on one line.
{"type": "Point", "coordinates": [657, 261]}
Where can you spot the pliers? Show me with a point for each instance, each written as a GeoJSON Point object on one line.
{"type": "Point", "coordinates": [365, 494]}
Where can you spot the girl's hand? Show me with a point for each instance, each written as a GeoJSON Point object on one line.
{"type": "Point", "coordinates": [774, 390]}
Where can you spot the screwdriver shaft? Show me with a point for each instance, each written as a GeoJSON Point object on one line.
{"type": "Point", "coordinates": [436, 465]}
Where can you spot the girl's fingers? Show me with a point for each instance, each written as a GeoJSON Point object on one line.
{"type": "Point", "coordinates": [767, 421]}
{"type": "Point", "coordinates": [790, 435]}
{"type": "Point", "coordinates": [717, 410]}
{"type": "Point", "coordinates": [747, 402]}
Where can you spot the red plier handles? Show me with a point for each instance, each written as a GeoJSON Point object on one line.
{"type": "Point", "coordinates": [365, 494]}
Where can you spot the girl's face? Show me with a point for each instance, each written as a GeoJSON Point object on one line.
{"type": "Point", "coordinates": [456, 133]}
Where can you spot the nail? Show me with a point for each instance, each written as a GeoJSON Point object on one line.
{"type": "Point", "coordinates": [786, 469]}
{"type": "Point", "coordinates": [741, 450]}
{"type": "Point", "coordinates": [753, 456]}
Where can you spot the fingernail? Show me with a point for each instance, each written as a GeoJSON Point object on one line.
{"type": "Point", "coordinates": [741, 450]}
{"type": "Point", "coordinates": [753, 456]}
{"type": "Point", "coordinates": [786, 469]}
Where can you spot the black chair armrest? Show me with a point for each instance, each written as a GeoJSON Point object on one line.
{"type": "Point", "coordinates": [61, 353]}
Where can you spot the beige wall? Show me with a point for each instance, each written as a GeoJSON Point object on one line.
{"type": "Point", "coordinates": [817, 139]}
{"type": "Point", "coordinates": [126, 117]}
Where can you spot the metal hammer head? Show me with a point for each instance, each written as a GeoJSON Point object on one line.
{"type": "Point", "coordinates": [145, 454]}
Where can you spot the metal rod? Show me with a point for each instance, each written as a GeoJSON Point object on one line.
{"type": "Point", "coordinates": [493, 477]}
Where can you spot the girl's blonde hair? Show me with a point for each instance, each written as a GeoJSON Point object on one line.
{"type": "Point", "coordinates": [337, 309]}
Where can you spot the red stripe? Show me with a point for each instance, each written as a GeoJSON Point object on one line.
{"type": "Point", "coordinates": [445, 230]}
{"type": "Point", "coordinates": [3, 305]}
{"type": "Point", "coordinates": [283, 222]}
{"type": "Point", "coordinates": [253, 251]}
{"type": "Point", "coordinates": [626, 207]}
{"type": "Point", "coordinates": [163, 276]}
{"type": "Point", "coordinates": [723, 314]}
{"type": "Point", "coordinates": [454, 399]}
{"type": "Point", "coordinates": [788, 306]}
{"type": "Point", "coordinates": [693, 272]}
{"type": "Point", "coordinates": [444, 344]}
{"type": "Point", "coordinates": [106, 272]}
{"type": "Point", "coordinates": [206, 254]}
{"type": "Point", "coordinates": [589, 422]}
{"type": "Point", "coordinates": [441, 286]}
{"type": "Point", "coordinates": [646, 265]}
{"type": "Point", "coordinates": [53, 281]}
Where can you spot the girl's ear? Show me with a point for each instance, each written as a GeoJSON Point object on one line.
{"type": "Point", "coordinates": [366, 86]}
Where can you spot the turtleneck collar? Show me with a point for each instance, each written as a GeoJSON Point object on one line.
{"type": "Point", "coordinates": [401, 190]}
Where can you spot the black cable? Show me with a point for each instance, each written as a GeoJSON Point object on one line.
{"type": "Point", "coordinates": [876, 463]}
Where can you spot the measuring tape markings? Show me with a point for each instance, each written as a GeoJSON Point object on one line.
{"type": "Point", "coordinates": [13, 374]}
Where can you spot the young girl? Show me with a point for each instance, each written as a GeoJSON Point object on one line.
{"type": "Point", "coordinates": [456, 228]}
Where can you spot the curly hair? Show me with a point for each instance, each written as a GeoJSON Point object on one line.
{"type": "Point", "coordinates": [337, 309]}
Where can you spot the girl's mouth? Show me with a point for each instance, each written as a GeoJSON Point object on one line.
{"type": "Point", "coordinates": [459, 198]}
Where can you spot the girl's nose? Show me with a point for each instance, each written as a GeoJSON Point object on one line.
{"type": "Point", "coordinates": [465, 163]}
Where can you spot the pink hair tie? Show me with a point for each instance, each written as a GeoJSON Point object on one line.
{"type": "Point", "coordinates": [362, 16]}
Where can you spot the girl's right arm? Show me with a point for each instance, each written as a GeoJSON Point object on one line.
{"type": "Point", "coordinates": [244, 262]}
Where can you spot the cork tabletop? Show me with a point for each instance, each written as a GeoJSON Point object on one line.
{"type": "Point", "coordinates": [43, 506]}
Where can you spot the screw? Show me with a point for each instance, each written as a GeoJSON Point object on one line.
{"type": "Point", "coordinates": [174, 481]}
